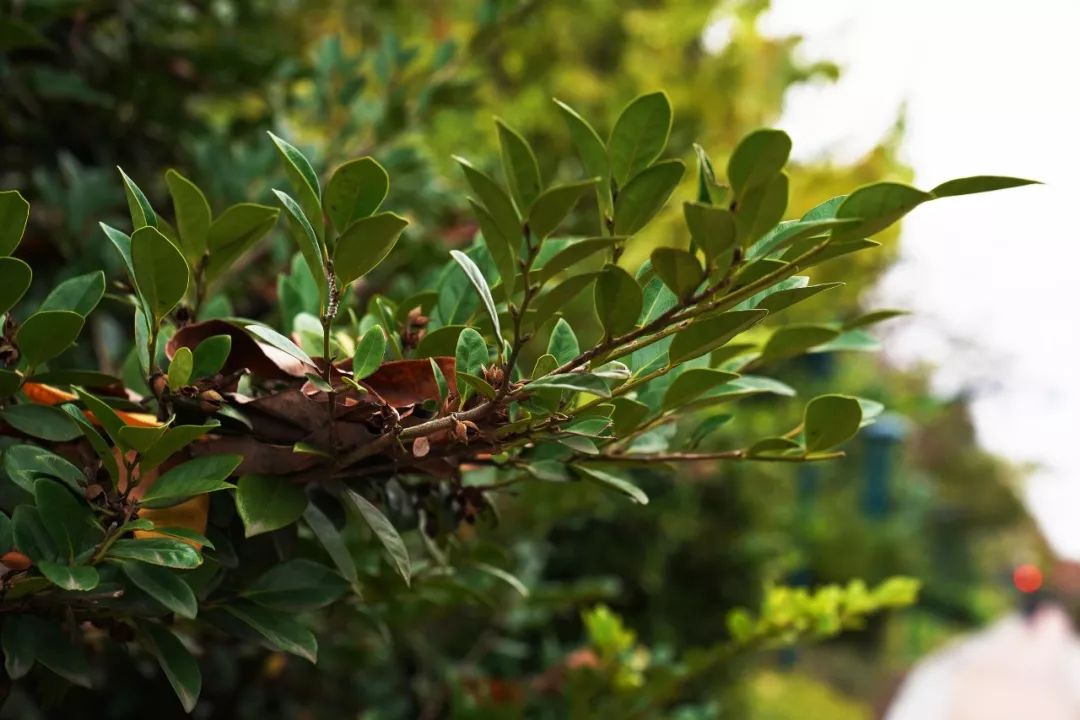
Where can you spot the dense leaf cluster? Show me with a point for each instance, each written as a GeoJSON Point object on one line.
{"type": "Point", "coordinates": [139, 497]}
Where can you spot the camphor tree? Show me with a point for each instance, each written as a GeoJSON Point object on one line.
{"type": "Point", "coordinates": [153, 510]}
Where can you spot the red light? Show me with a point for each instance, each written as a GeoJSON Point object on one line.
{"type": "Point", "coordinates": [1027, 578]}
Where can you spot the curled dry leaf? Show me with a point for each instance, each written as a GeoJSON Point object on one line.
{"type": "Point", "coordinates": [262, 360]}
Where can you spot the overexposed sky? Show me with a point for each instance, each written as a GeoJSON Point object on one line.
{"type": "Point", "coordinates": [990, 87]}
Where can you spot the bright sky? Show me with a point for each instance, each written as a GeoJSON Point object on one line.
{"type": "Point", "coordinates": [991, 87]}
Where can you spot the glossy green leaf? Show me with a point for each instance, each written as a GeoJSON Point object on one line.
{"type": "Point", "coordinates": [519, 164]}
{"type": "Point", "coordinates": [356, 190]}
{"type": "Point", "coordinates": [553, 205]}
{"type": "Point", "coordinates": [295, 586]}
{"type": "Point", "coordinates": [268, 502]}
{"type": "Point", "coordinates": [830, 420]}
{"type": "Point", "coordinates": [41, 421]}
{"type": "Point", "coordinates": [142, 213]}
{"type": "Point", "coordinates": [210, 356]}
{"type": "Point", "coordinates": [471, 353]}
{"type": "Point", "coordinates": [236, 231]}
{"type": "Point", "coordinates": [277, 340]}
{"type": "Point", "coordinates": [495, 200]}
{"type": "Point", "coordinates": [692, 383]}
{"type": "Point", "coordinates": [477, 279]}
{"type": "Point", "coordinates": [563, 343]}
{"type": "Point", "coordinates": [69, 521]}
{"type": "Point", "coordinates": [105, 416]}
{"type": "Point", "coordinates": [365, 244]}
{"type": "Point", "coordinates": [44, 335]}
{"type": "Point", "coordinates": [440, 380]}
{"type": "Point", "coordinates": [591, 150]}
{"type": "Point", "coordinates": [877, 206]}
{"type": "Point", "coordinates": [384, 532]}
{"type": "Point", "coordinates": [176, 661]}
{"type": "Point", "coordinates": [793, 340]}
{"type": "Point", "coordinates": [609, 479]}
{"type": "Point", "coordinates": [101, 448]}
{"type": "Point", "coordinates": [645, 195]}
{"type": "Point", "coordinates": [978, 184]}
{"type": "Point", "coordinates": [156, 551]}
{"type": "Point", "coordinates": [678, 269]}
{"type": "Point", "coordinates": [777, 301]}
{"type": "Point", "coordinates": [140, 439]}
{"type": "Point", "coordinates": [369, 353]}
{"type": "Point", "coordinates": [617, 298]}
{"type": "Point", "coordinates": [161, 273]}
{"type": "Point", "coordinates": [499, 246]}
{"type": "Point", "coordinates": [15, 277]}
{"type": "Point", "coordinates": [193, 216]}
{"type": "Point", "coordinates": [277, 628]}
{"type": "Point", "coordinates": [180, 368]}
{"type": "Point", "coordinates": [758, 159]}
{"type": "Point", "coordinates": [200, 475]}
{"type": "Point", "coordinates": [710, 192]}
{"type": "Point", "coordinates": [175, 439]}
{"type": "Point", "coordinates": [581, 382]}
{"type": "Point", "coordinates": [79, 294]}
{"type": "Point", "coordinates": [476, 384]}
{"type": "Point", "coordinates": [304, 181]}
{"type": "Point", "coordinates": [30, 535]}
{"type": "Point", "coordinates": [559, 296]}
{"type": "Point", "coordinates": [25, 463]}
{"type": "Point", "coordinates": [122, 243]}
{"type": "Point", "coordinates": [639, 136]}
{"type": "Point", "coordinates": [70, 577]}
{"type": "Point", "coordinates": [574, 253]}
{"type": "Point", "coordinates": [14, 212]}
{"type": "Point", "coordinates": [705, 335]}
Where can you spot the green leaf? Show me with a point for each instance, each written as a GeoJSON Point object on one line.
{"type": "Point", "coordinates": [573, 254]}
{"type": "Point", "coordinates": [14, 212]}
{"type": "Point", "coordinates": [198, 476]}
{"type": "Point", "coordinates": [15, 277]}
{"type": "Point", "coordinates": [142, 213]}
{"type": "Point", "coordinates": [20, 644]}
{"type": "Point", "coordinates": [519, 164]}
{"type": "Point", "coordinates": [693, 383]}
{"type": "Point", "coordinates": [877, 206]}
{"type": "Point", "coordinates": [295, 586]}
{"type": "Point", "coordinates": [183, 533]}
{"type": "Point", "coordinates": [476, 383]}
{"type": "Point", "coordinates": [548, 470]}
{"type": "Point", "coordinates": [471, 352]}
{"type": "Point", "coordinates": [777, 301]}
{"type": "Point", "coordinates": [25, 463]}
{"type": "Point", "coordinates": [553, 300]}
{"type": "Point", "coordinates": [639, 136]}
{"type": "Point", "coordinates": [356, 190]}
{"type": "Point", "coordinates": [710, 192]}
{"type": "Point", "coordinates": [591, 150]}
{"type": "Point", "coordinates": [580, 382]}
{"type": "Point", "coordinates": [156, 551]}
{"type": "Point", "coordinates": [873, 318]}
{"type": "Point", "coordinates": [180, 368]}
{"type": "Point", "coordinates": [9, 383]}
{"type": "Point", "coordinates": [552, 207]}
{"type": "Point", "coordinates": [334, 544]}
{"type": "Point", "coordinates": [306, 240]}
{"type": "Point", "coordinates": [79, 294]}
{"type": "Point", "coordinates": [236, 231]}
{"type": "Point", "coordinates": [645, 195]}
{"type": "Point", "coordinates": [792, 340]}
{"type": "Point", "coordinates": [369, 353]}
{"type": "Point", "coordinates": [679, 270]}
{"type": "Point", "coordinates": [70, 577]}
{"type": "Point", "coordinates": [30, 535]}
{"type": "Point", "coordinates": [504, 576]}
{"type": "Point", "coordinates": [277, 340]}
{"type": "Point", "coordinates": [53, 648]}
{"type": "Point", "coordinates": [618, 300]}
{"type": "Point", "coordinates": [477, 279]}
{"type": "Point", "coordinates": [365, 244]}
{"type": "Point", "coordinates": [773, 446]}
{"type": "Point", "coordinates": [705, 335]}
{"type": "Point", "coordinates": [712, 228]}
{"type": "Point", "coordinates": [761, 208]}
{"type": "Point", "coordinates": [122, 243]}
{"type": "Point", "coordinates": [41, 421]}
{"type": "Point", "coordinates": [101, 448]}
{"type": "Point", "coordinates": [175, 439]}
{"type": "Point", "coordinates": [384, 532]}
{"type": "Point", "coordinates": [192, 213]}
{"type": "Point", "coordinates": [161, 273]}
{"type": "Point", "coordinates": [440, 380]}
{"type": "Point", "coordinates": [163, 585]}
{"type": "Point", "coordinates": [304, 181]}
{"type": "Point", "coordinates": [978, 184]}
{"type": "Point", "coordinates": [439, 342]}
{"type": "Point", "coordinates": [268, 502]}
{"type": "Point", "coordinates": [210, 356]}
{"type": "Point", "coordinates": [757, 160]}
{"type": "Point", "coordinates": [103, 413]}
{"type": "Point", "coordinates": [279, 629]}
{"type": "Point", "coordinates": [180, 668]}
{"type": "Point", "coordinates": [44, 335]}
{"type": "Point", "coordinates": [830, 420]}
{"type": "Point", "coordinates": [610, 480]}
{"type": "Point", "coordinates": [563, 343]}
{"type": "Point", "coordinates": [495, 200]}
{"type": "Point", "coordinates": [499, 246]}
{"type": "Point", "coordinates": [69, 521]}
